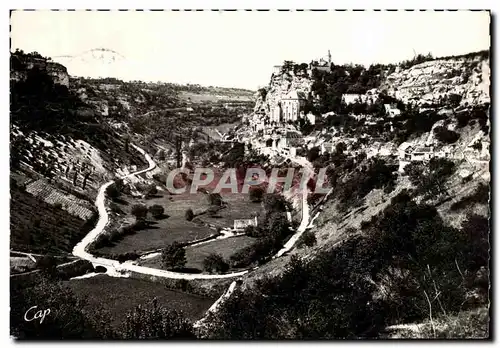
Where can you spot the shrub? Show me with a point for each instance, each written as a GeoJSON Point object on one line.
{"type": "Point", "coordinates": [151, 190]}
{"type": "Point", "coordinates": [480, 195]}
{"type": "Point", "coordinates": [152, 321]}
{"type": "Point", "coordinates": [445, 135]}
{"type": "Point", "coordinates": [215, 263]}
{"type": "Point", "coordinates": [173, 256]}
{"type": "Point", "coordinates": [156, 211]}
{"type": "Point", "coordinates": [308, 239]}
{"type": "Point", "coordinates": [115, 208]}
{"type": "Point", "coordinates": [313, 154]}
{"type": "Point", "coordinates": [215, 199]}
{"type": "Point", "coordinates": [113, 191]}
{"type": "Point", "coordinates": [189, 215]}
{"type": "Point", "coordinates": [47, 264]}
{"type": "Point", "coordinates": [126, 257]}
{"type": "Point", "coordinates": [256, 194]}
{"type": "Point", "coordinates": [100, 269]}
{"type": "Point", "coordinates": [140, 211]}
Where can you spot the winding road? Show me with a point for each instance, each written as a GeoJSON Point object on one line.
{"type": "Point", "coordinates": [117, 269]}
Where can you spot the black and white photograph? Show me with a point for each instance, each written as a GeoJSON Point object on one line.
{"type": "Point", "coordinates": [249, 175]}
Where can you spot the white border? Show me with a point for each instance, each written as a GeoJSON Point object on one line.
{"type": "Point", "coordinates": [195, 4]}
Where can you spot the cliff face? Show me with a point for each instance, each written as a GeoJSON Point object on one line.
{"type": "Point", "coordinates": [427, 82]}
{"type": "Point", "coordinates": [21, 65]}
{"type": "Point", "coordinates": [279, 86]}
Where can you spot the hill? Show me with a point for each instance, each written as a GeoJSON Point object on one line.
{"type": "Point", "coordinates": [403, 235]}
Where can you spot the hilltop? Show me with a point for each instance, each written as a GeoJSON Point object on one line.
{"type": "Point", "coordinates": [69, 135]}
{"type": "Point", "coordinates": [403, 234]}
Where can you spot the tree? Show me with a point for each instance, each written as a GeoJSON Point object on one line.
{"type": "Point", "coordinates": [308, 239]}
{"type": "Point", "coordinates": [153, 321]}
{"type": "Point", "coordinates": [161, 155]}
{"type": "Point", "coordinates": [113, 191]}
{"type": "Point", "coordinates": [445, 135]}
{"type": "Point", "coordinates": [173, 256]}
{"type": "Point", "coordinates": [256, 194]}
{"type": "Point", "coordinates": [215, 199]}
{"type": "Point", "coordinates": [140, 211]}
{"type": "Point", "coordinates": [47, 264]}
{"type": "Point", "coordinates": [189, 214]}
{"type": "Point", "coordinates": [215, 263]}
{"type": "Point", "coordinates": [156, 211]}
{"type": "Point", "coordinates": [313, 154]}
{"type": "Point", "coordinates": [340, 148]}
{"type": "Point", "coordinates": [275, 203]}
{"type": "Point", "coordinates": [151, 190]}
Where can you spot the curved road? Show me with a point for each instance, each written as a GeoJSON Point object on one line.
{"type": "Point", "coordinates": [115, 268]}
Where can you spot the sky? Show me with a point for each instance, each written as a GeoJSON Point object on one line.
{"type": "Point", "coordinates": [238, 49]}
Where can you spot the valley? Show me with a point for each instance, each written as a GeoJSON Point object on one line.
{"type": "Point", "coordinates": [406, 189]}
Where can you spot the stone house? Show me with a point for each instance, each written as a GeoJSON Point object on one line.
{"type": "Point", "coordinates": [392, 110]}
{"type": "Point", "coordinates": [241, 224]}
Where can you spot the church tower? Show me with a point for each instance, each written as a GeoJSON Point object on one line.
{"type": "Point", "coordinates": [329, 58]}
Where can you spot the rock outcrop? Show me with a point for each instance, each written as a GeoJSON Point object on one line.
{"type": "Point", "coordinates": [21, 64]}
{"type": "Point", "coordinates": [279, 86]}
{"type": "Point", "coordinates": [429, 82]}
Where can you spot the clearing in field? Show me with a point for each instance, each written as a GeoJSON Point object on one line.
{"type": "Point", "coordinates": [196, 254]}
{"type": "Point", "coordinates": [174, 227]}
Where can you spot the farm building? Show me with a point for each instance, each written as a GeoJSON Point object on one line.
{"type": "Point", "coordinates": [241, 224]}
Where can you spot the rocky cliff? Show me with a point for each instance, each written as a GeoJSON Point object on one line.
{"type": "Point", "coordinates": [430, 82]}
{"type": "Point", "coordinates": [21, 65]}
{"type": "Point", "coordinates": [279, 86]}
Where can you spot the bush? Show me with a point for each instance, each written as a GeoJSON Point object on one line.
{"type": "Point", "coordinates": [189, 215]}
{"type": "Point", "coordinates": [215, 199]}
{"type": "Point", "coordinates": [308, 239]}
{"type": "Point", "coordinates": [156, 211]}
{"type": "Point", "coordinates": [115, 208]}
{"type": "Point", "coordinates": [445, 135]}
{"type": "Point", "coordinates": [215, 263]}
{"type": "Point", "coordinates": [47, 264]}
{"type": "Point", "coordinates": [173, 256]}
{"type": "Point", "coordinates": [113, 191]}
{"type": "Point", "coordinates": [140, 211]}
{"type": "Point", "coordinates": [481, 195]}
{"type": "Point", "coordinates": [127, 256]}
{"type": "Point", "coordinates": [256, 194]}
{"type": "Point", "coordinates": [151, 190]}
{"type": "Point", "coordinates": [153, 321]}
{"type": "Point", "coordinates": [100, 269]}
{"type": "Point", "coordinates": [313, 154]}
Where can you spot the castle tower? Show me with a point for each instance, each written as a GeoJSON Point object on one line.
{"type": "Point", "coordinates": [329, 58]}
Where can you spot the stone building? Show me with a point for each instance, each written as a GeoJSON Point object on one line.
{"type": "Point", "coordinates": [291, 105]}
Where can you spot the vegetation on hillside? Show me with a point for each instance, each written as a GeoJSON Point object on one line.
{"type": "Point", "coordinates": [409, 265]}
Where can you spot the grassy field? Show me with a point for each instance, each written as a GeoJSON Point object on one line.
{"type": "Point", "coordinates": [238, 207]}
{"type": "Point", "coordinates": [214, 97]}
{"type": "Point", "coordinates": [196, 254]}
{"type": "Point", "coordinates": [119, 295]}
{"type": "Point", "coordinates": [173, 228]}
{"type": "Point", "coordinates": [224, 247]}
